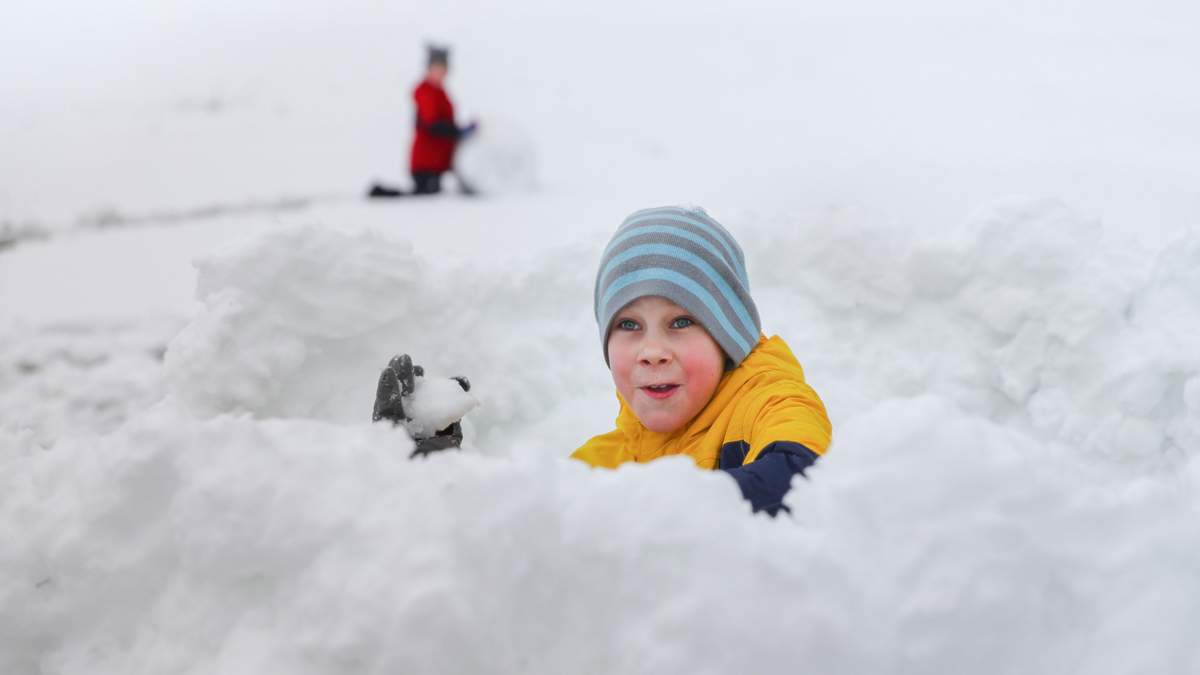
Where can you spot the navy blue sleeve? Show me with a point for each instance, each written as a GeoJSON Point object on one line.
{"type": "Point", "coordinates": [443, 128]}
{"type": "Point", "coordinates": [768, 478]}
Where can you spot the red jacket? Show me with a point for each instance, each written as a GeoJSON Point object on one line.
{"type": "Point", "coordinates": [433, 146]}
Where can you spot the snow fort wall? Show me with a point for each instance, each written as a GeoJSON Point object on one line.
{"type": "Point", "coordinates": [931, 541]}
{"type": "Point", "coordinates": [298, 324]}
{"type": "Point", "coordinates": [254, 521]}
{"type": "Point", "coordinates": [1027, 314]}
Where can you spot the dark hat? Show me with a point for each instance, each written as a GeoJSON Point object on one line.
{"type": "Point", "coordinates": [438, 55]}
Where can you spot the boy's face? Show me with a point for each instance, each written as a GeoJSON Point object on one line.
{"type": "Point", "coordinates": [663, 362]}
{"type": "Point", "coordinates": [436, 73]}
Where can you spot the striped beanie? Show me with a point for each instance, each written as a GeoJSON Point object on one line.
{"type": "Point", "coordinates": [683, 255]}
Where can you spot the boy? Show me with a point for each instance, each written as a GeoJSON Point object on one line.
{"type": "Point", "coordinates": [436, 135]}
{"type": "Point", "coordinates": [694, 374]}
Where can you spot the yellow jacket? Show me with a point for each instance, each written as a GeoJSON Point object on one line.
{"type": "Point", "coordinates": [763, 406]}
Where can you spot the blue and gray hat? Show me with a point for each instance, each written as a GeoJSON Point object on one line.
{"type": "Point", "coordinates": [687, 257]}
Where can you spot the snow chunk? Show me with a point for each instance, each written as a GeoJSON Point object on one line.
{"type": "Point", "coordinates": [280, 313]}
{"type": "Point", "coordinates": [435, 405]}
{"type": "Point", "coordinates": [298, 322]}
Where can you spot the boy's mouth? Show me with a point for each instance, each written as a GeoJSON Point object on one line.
{"type": "Point", "coordinates": [660, 391]}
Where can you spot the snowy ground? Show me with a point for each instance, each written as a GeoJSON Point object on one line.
{"type": "Point", "coordinates": [974, 224]}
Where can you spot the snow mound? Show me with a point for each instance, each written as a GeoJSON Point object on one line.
{"type": "Point", "coordinates": [930, 541]}
{"type": "Point", "coordinates": [298, 323]}
{"type": "Point", "coordinates": [253, 521]}
{"type": "Point", "coordinates": [282, 301]}
{"type": "Point", "coordinates": [1028, 314]}
{"type": "Point", "coordinates": [499, 158]}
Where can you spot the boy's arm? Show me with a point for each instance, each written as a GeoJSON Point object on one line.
{"type": "Point", "coordinates": [766, 480]}
{"type": "Point", "coordinates": [788, 430]}
{"type": "Point", "coordinates": [432, 116]}
{"type": "Point", "coordinates": [793, 413]}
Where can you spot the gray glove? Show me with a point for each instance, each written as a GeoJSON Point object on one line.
{"type": "Point", "coordinates": [397, 381]}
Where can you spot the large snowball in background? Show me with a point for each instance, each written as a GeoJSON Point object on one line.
{"type": "Point", "coordinates": [499, 157]}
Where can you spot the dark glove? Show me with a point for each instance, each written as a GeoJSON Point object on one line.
{"type": "Point", "coordinates": [397, 381]}
{"type": "Point", "coordinates": [466, 132]}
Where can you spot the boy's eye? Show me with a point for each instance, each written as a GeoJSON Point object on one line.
{"type": "Point", "coordinates": [682, 322]}
{"type": "Point", "coordinates": [627, 324]}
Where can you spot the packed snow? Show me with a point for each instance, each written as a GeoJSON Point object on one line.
{"type": "Point", "coordinates": [196, 304]}
{"type": "Point", "coordinates": [1034, 504]}
{"type": "Point", "coordinates": [435, 404]}
{"type": "Point", "coordinates": [931, 541]}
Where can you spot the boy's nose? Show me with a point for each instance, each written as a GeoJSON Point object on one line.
{"type": "Point", "coordinates": [654, 354]}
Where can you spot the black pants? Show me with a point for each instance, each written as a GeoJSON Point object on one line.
{"type": "Point", "coordinates": [427, 183]}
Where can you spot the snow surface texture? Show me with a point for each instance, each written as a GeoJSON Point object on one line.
{"type": "Point", "coordinates": [254, 521]}
{"type": "Point", "coordinates": [81, 378]}
{"type": "Point", "coordinates": [1027, 315]}
{"type": "Point", "coordinates": [298, 323]}
{"type": "Point", "coordinates": [930, 541]}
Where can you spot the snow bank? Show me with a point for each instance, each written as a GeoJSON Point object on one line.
{"type": "Point", "coordinates": [283, 302]}
{"type": "Point", "coordinates": [254, 521]}
{"type": "Point", "coordinates": [298, 323]}
{"type": "Point", "coordinates": [931, 541]}
{"type": "Point", "coordinates": [1028, 314]}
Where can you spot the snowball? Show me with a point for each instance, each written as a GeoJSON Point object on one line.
{"type": "Point", "coordinates": [500, 157]}
{"type": "Point", "coordinates": [435, 405]}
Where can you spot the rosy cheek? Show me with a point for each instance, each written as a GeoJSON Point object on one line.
{"type": "Point", "coordinates": [703, 366]}
{"type": "Point", "coordinates": [696, 361]}
{"type": "Point", "coordinates": [618, 361]}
